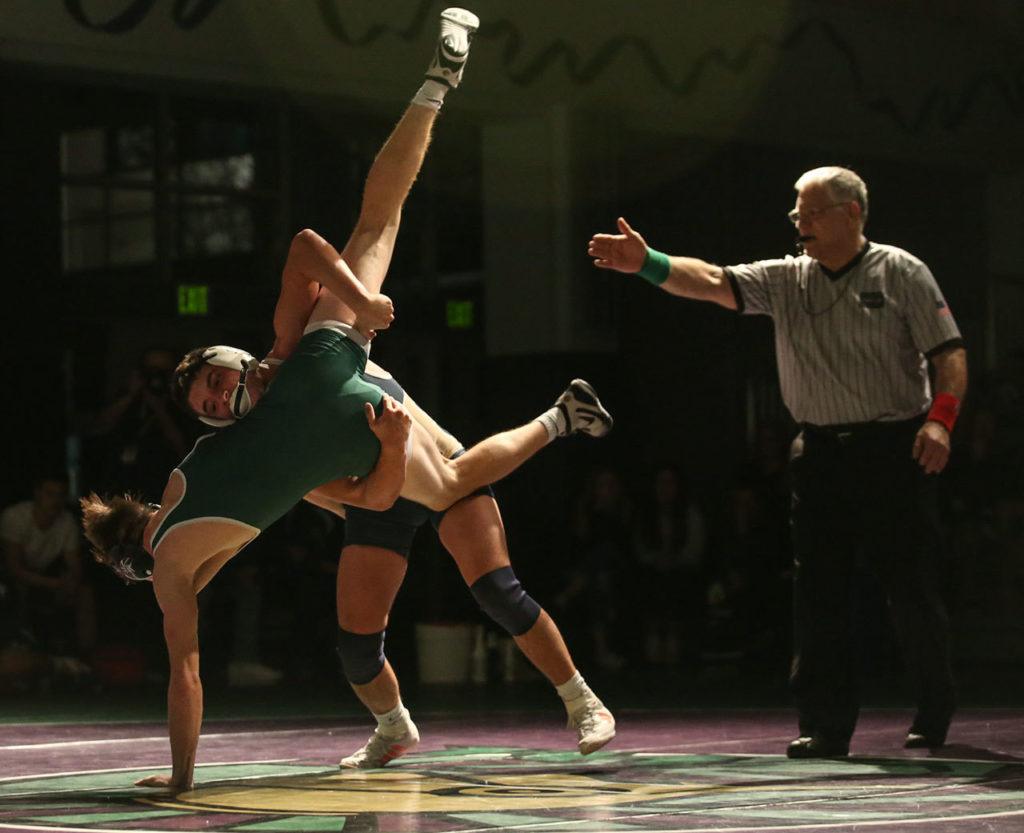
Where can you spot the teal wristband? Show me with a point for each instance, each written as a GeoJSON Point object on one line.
{"type": "Point", "coordinates": [656, 267]}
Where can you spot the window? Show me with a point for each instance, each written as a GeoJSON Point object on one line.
{"type": "Point", "coordinates": [166, 183]}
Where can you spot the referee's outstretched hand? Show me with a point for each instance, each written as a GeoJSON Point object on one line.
{"type": "Point", "coordinates": [931, 447]}
{"type": "Point", "coordinates": [623, 252]}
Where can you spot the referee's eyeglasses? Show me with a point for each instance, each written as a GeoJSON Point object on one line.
{"type": "Point", "coordinates": [812, 213]}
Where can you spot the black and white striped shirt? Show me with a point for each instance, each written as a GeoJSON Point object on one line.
{"type": "Point", "coordinates": [852, 345]}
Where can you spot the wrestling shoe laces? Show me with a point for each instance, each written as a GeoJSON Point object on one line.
{"type": "Point", "coordinates": [583, 411]}
{"type": "Point", "coordinates": [457, 28]}
{"type": "Point", "coordinates": [380, 749]}
{"type": "Point", "coordinates": [593, 723]}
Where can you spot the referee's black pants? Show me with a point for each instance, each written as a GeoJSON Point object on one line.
{"type": "Point", "coordinates": [859, 494]}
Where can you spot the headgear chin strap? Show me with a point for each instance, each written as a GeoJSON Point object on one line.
{"type": "Point", "coordinates": [221, 355]}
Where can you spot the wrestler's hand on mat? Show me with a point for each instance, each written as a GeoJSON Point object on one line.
{"type": "Point", "coordinates": [623, 252]}
{"type": "Point", "coordinates": [162, 782]}
{"type": "Point", "coordinates": [377, 314]}
{"type": "Point", "coordinates": [393, 425]}
{"type": "Point", "coordinates": [931, 447]}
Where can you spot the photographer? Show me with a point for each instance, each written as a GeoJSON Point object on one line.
{"type": "Point", "coordinates": [47, 606]}
{"type": "Point", "coordinates": [141, 436]}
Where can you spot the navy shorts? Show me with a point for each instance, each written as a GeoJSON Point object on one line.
{"type": "Point", "coordinates": [394, 528]}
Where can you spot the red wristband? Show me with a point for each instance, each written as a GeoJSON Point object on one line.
{"type": "Point", "coordinates": [945, 410]}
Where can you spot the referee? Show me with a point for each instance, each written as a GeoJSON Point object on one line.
{"type": "Point", "coordinates": [856, 323]}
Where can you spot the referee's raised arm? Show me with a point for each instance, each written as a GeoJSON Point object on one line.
{"type": "Point", "coordinates": [687, 277]}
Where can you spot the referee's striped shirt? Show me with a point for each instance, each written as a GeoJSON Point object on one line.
{"type": "Point", "coordinates": [851, 345]}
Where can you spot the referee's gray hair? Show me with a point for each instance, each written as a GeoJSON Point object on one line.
{"type": "Point", "coordinates": [843, 185]}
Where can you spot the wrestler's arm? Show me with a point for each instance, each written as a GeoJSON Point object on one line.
{"type": "Point", "coordinates": [313, 267]}
{"type": "Point", "coordinates": [313, 262]}
{"type": "Point", "coordinates": [382, 486]}
{"type": "Point", "coordinates": [295, 303]}
{"type": "Point", "coordinates": [176, 595]}
{"type": "Point", "coordinates": [351, 491]}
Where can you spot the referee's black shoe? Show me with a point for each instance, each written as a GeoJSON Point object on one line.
{"type": "Point", "coordinates": [924, 740]}
{"type": "Point", "coordinates": [928, 732]}
{"type": "Point", "coordinates": [817, 747]}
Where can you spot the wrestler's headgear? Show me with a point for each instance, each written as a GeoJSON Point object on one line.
{"type": "Point", "coordinates": [232, 358]}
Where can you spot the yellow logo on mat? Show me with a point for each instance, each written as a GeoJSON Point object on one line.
{"type": "Point", "coordinates": [409, 792]}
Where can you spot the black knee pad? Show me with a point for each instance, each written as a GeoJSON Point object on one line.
{"type": "Point", "coordinates": [501, 596]}
{"type": "Point", "coordinates": [361, 655]}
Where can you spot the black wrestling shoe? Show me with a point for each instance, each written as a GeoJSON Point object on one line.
{"type": "Point", "coordinates": [817, 747]}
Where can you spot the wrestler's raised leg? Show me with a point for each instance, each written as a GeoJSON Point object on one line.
{"type": "Point", "coordinates": [372, 242]}
{"type": "Point", "coordinates": [438, 482]}
{"type": "Point", "coordinates": [398, 163]}
{"type": "Point", "coordinates": [394, 170]}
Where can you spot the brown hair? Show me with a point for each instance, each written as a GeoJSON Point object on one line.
{"type": "Point", "coordinates": [184, 376]}
{"type": "Point", "coordinates": [109, 522]}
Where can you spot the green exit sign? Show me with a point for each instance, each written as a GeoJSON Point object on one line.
{"type": "Point", "coordinates": [193, 299]}
{"type": "Point", "coordinates": [459, 315]}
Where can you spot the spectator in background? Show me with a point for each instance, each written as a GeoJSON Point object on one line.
{"type": "Point", "coordinates": [603, 535]}
{"type": "Point", "coordinates": [987, 512]}
{"type": "Point", "coordinates": [52, 606]}
{"type": "Point", "coordinates": [141, 435]}
{"type": "Point", "coordinates": [759, 557]}
{"type": "Point", "coordinates": [671, 544]}
{"type": "Point", "coordinates": [21, 662]}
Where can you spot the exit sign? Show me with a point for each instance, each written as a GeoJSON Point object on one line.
{"type": "Point", "coordinates": [459, 315]}
{"type": "Point", "coordinates": [193, 300]}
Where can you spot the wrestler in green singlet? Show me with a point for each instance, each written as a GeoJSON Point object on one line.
{"type": "Point", "coordinates": [308, 429]}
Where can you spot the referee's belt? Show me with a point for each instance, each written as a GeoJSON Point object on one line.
{"type": "Point", "coordinates": [850, 432]}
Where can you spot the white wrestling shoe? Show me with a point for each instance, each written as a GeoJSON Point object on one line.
{"type": "Point", "coordinates": [583, 411]}
{"type": "Point", "coordinates": [593, 723]}
{"type": "Point", "coordinates": [380, 749]}
{"type": "Point", "coordinates": [457, 28]}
